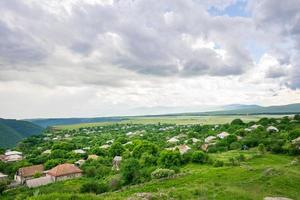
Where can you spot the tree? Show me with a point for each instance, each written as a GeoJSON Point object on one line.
{"type": "Point", "coordinates": [169, 159]}
{"type": "Point", "coordinates": [145, 147]}
{"type": "Point", "coordinates": [297, 117]}
{"type": "Point", "coordinates": [116, 149]}
{"type": "Point", "coordinates": [94, 187]}
{"type": "Point", "coordinates": [199, 157]}
{"type": "Point", "coordinates": [2, 186]}
{"type": "Point", "coordinates": [130, 170]}
{"type": "Point", "coordinates": [238, 122]}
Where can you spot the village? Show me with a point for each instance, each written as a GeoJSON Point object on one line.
{"type": "Point", "coordinates": [107, 151]}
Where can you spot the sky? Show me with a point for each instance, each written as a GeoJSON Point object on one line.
{"type": "Point", "coordinates": [87, 58]}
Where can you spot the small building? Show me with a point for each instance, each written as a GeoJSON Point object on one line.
{"type": "Point", "coordinates": [93, 157]}
{"type": "Point", "coordinates": [79, 151]}
{"type": "Point", "coordinates": [272, 129]}
{"type": "Point", "coordinates": [36, 182]}
{"type": "Point", "coordinates": [183, 148]}
{"type": "Point", "coordinates": [27, 173]}
{"type": "Point", "coordinates": [64, 172]}
{"type": "Point", "coordinates": [204, 147]}
{"type": "Point", "coordinates": [105, 146]}
{"type": "Point", "coordinates": [47, 151]}
{"type": "Point", "coordinates": [209, 139]}
{"type": "Point", "coordinates": [117, 162]}
{"type": "Point", "coordinates": [80, 162]}
{"type": "Point", "coordinates": [223, 135]}
{"type": "Point", "coordinates": [3, 176]}
{"type": "Point", "coordinates": [173, 140]}
{"type": "Point", "coordinates": [255, 126]}
{"type": "Point", "coordinates": [12, 156]}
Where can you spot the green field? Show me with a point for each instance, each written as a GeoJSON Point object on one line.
{"type": "Point", "coordinates": [254, 179]}
{"type": "Point", "coordinates": [179, 120]}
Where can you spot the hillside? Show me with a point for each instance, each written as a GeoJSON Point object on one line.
{"type": "Point", "coordinates": [12, 131]}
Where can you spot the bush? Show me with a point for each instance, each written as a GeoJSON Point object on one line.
{"type": "Point", "coordinates": [130, 170]}
{"type": "Point", "coordinates": [162, 173]}
{"type": "Point", "coordinates": [2, 186]}
{"type": "Point", "coordinates": [237, 122]}
{"type": "Point", "coordinates": [261, 148]}
{"type": "Point", "coordinates": [168, 159]}
{"type": "Point", "coordinates": [94, 187]}
{"type": "Point", "coordinates": [235, 145]}
{"type": "Point", "coordinates": [199, 157]}
{"type": "Point", "coordinates": [218, 163]}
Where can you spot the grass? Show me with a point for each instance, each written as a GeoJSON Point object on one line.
{"type": "Point", "coordinates": [247, 182]}
{"type": "Point", "coordinates": [180, 120]}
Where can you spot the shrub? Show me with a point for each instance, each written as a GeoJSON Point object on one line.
{"type": "Point", "coordinates": [199, 157]}
{"type": "Point", "coordinates": [130, 170]}
{"type": "Point", "coordinates": [162, 173]}
{"type": "Point", "coordinates": [2, 186]}
{"type": "Point", "coordinates": [218, 163]}
{"type": "Point", "coordinates": [94, 187]}
{"type": "Point", "coordinates": [261, 148]}
{"type": "Point", "coordinates": [241, 158]}
{"type": "Point", "coordinates": [237, 122]}
{"type": "Point", "coordinates": [234, 162]}
{"type": "Point", "coordinates": [168, 159]}
{"type": "Point", "coordinates": [235, 145]}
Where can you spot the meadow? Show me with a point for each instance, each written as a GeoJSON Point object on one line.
{"type": "Point", "coordinates": [179, 120]}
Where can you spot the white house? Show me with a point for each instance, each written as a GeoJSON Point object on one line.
{"type": "Point", "coordinates": [117, 162]}
{"type": "Point", "coordinates": [272, 129]}
{"type": "Point", "coordinates": [173, 140]}
{"type": "Point", "coordinates": [223, 135]}
{"type": "Point", "coordinates": [209, 139]}
{"type": "Point", "coordinates": [79, 151]}
{"type": "Point", "coordinates": [3, 176]}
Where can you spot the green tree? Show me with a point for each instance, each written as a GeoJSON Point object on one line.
{"type": "Point", "coordinates": [169, 159]}
{"type": "Point", "coordinates": [116, 149]}
{"type": "Point", "coordinates": [130, 170]}
{"type": "Point", "coordinates": [2, 186]}
{"type": "Point", "coordinates": [238, 122]}
{"type": "Point", "coordinates": [199, 157]}
{"type": "Point", "coordinates": [145, 147]}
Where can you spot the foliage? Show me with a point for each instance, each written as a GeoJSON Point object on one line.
{"type": "Point", "coordinates": [94, 187]}
{"type": "Point", "coordinates": [199, 157]}
{"type": "Point", "coordinates": [169, 159]}
{"type": "Point", "coordinates": [162, 173]}
{"type": "Point", "coordinates": [130, 170]}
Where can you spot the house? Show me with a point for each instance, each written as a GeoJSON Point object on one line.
{"type": "Point", "coordinates": [93, 157]}
{"type": "Point", "coordinates": [272, 129]}
{"type": "Point", "coordinates": [117, 163]}
{"type": "Point", "coordinates": [209, 139]}
{"type": "Point", "coordinates": [204, 147]}
{"type": "Point", "coordinates": [3, 176]}
{"type": "Point", "coordinates": [195, 140]}
{"type": "Point", "coordinates": [223, 135]}
{"type": "Point", "coordinates": [64, 172]}
{"type": "Point", "coordinates": [183, 148]}
{"type": "Point", "coordinates": [47, 151]}
{"type": "Point", "coordinates": [79, 151]}
{"type": "Point", "coordinates": [36, 182]}
{"type": "Point", "coordinates": [255, 126]}
{"type": "Point", "coordinates": [27, 173]}
{"type": "Point", "coordinates": [105, 146]}
{"type": "Point", "coordinates": [173, 140]}
{"type": "Point", "coordinates": [12, 156]}
{"type": "Point", "coordinates": [79, 162]}
{"type": "Point", "coordinates": [296, 141]}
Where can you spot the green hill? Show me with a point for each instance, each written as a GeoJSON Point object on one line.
{"type": "Point", "coordinates": [12, 131]}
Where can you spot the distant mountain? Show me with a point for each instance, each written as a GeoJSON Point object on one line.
{"type": "Point", "coordinates": [253, 109]}
{"type": "Point", "coordinates": [240, 106]}
{"type": "Point", "coordinates": [12, 131]}
{"type": "Point", "coordinates": [67, 121]}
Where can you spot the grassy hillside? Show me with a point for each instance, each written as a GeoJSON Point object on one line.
{"type": "Point", "coordinates": [12, 131]}
{"type": "Point", "coordinates": [250, 181]}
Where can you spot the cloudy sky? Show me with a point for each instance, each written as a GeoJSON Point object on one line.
{"type": "Point", "coordinates": [63, 58]}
